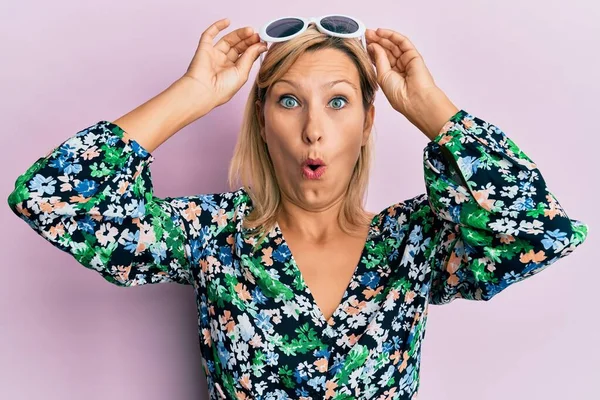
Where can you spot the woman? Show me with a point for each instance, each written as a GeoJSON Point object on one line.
{"type": "Point", "coordinates": [337, 307]}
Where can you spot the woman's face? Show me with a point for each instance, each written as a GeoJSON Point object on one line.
{"type": "Point", "coordinates": [315, 111]}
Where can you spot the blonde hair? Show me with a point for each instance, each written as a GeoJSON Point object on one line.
{"type": "Point", "coordinates": [251, 165]}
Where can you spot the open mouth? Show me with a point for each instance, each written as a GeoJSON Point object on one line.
{"type": "Point", "coordinates": [313, 169]}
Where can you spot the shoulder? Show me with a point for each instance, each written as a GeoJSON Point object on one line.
{"type": "Point", "coordinates": [230, 204]}
{"type": "Point", "coordinates": [406, 207]}
{"type": "Point", "coordinates": [414, 210]}
{"type": "Point", "coordinates": [212, 208]}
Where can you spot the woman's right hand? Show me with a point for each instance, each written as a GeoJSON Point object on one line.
{"type": "Point", "coordinates": [223, 68]}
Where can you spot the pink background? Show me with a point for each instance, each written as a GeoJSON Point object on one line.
{"type": "Point", "coordinates": [531, 68]}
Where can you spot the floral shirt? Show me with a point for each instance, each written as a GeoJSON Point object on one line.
{"type": "Point", "coordinates": [486, 221]}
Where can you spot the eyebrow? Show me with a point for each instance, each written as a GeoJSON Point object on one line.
{"type": "Point", "coordinates": [329, 84]}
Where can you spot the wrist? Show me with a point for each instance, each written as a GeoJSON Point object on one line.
{"type": "Point", "coordinates": [195, 99]}
{"type": "Point", "coordinates": [431, 112]}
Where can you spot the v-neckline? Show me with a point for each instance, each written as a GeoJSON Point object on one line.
{"type": "Point", "coordinates": [332, 321]}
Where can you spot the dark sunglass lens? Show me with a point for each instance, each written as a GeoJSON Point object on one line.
{"type": "Point", "coordinates": [284, 27]}
{"type": "Point", "coordinates": [339, 24]}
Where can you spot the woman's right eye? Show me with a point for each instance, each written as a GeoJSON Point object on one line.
{"type": "Point", "coordinates": [288, 103]}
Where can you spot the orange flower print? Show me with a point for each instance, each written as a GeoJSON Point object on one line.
{"type": "Point", "coordinates": [242, 292]}
{"type": "Point", "coordinates": [90, 153]}
{"type": "Point", "coordinates": [444, 139]}
{"type": "Point", "coordinates": [267, 256]}
{"type": "Point", "coordinates": [241, 395]}
{"type": "Point", "coordinates": [245, 382]}
{"type": "Point", "coordinates": [123, 187]}
{"type": "Point", "coordinates": [220, 218]}
{"type": "Point", "coordinates": [395, 357]}
{"type": "Point", "coordinates": [192, 211]}
{"type": "Point", "coordinates": [206, 336]}
{"type": "Point", "coordinates": [481, 196]}
{"type": "Point", "coordinates": [123, 272]}
{"type": "Point", "coordinates": [46, 207]}
{"type": "Point", "coordinates": [370, 293]}
{"type": "Point", "coordinates": [355, 307]}
{"type": "Point", "coordinates": [505, 238]}
{"type": "Point", "coordinates": [321, 364]}
{"type": "Point", "coordinates": [388, 394]}
{"type": "Point", "coordinates": [330, 389]}
{"type": "Point", "coordinates": [79, 199]}
{"type": "Point", "coordinates": [453, 263]}
{"type": "Point", "coordinates": [554, 209]}
{"type": "Point", "coordinates": [204, 265]}
{"type": "Point", "coordinates": [391, 211]}
{"type": "Point", "coordinates": [405, 357]}
{"type": "Point", "coordinates": [532, 256]}
{"type": "Point", "coordinates": [22, 211]}
{"type": "Point", "coordinates": [57, 230]}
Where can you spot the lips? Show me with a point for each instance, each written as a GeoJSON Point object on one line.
{"type": "Point", "coordinates": [313, 168]}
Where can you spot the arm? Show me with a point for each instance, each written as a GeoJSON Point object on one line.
{"type": "Point", "coordinates": [495, 221]}
{"type": "Point", "coordinates": [93, 198]}
{"type": "Point", "coordinates": [155, 121]}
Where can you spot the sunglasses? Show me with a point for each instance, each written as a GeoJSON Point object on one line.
{"type": "Point", "coordinates": [286, 28]}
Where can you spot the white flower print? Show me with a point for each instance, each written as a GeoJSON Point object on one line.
{"type": "Point", "coordinates": [106, 234]}
{"type": "Point", "coordinates": [504, 225]}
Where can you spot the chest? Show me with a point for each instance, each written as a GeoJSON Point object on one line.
{"type": "Point", "coordinates": [327, 268]}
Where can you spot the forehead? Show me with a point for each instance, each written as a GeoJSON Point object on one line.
{"type": "Point", "coordinates": [321, 66]}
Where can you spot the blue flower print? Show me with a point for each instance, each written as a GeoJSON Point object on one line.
{"type": "Point", "coordinates": [263, 321]}
{"type": "Point", "coordinates": [371, 279]}
{"type": "Point", "coordinates": [87, 224]}
{"type": "Point", "coordinates": [86, 188]}
{"type": "Point", "coordinates": [282, 253]}
{"type": "Point", "coordinates": [553, 239]}
{"type": "Point", "coordinates": [42, 185]}
{"type": "Point", "coordinates": [468, 166]}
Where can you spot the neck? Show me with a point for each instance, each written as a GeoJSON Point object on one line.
{"type": "Point", "coordinates": [316, 225]}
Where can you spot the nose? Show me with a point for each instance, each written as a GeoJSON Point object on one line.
{"type": "Point", "coordinates": [313, 131]}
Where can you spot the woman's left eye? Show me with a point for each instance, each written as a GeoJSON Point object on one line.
{"type": "Point", "coordinates": [338, 99]}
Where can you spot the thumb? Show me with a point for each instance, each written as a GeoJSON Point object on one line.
{"type": "Point", "coordinates": [246, 60]}
{"type": "Point", "coordinates": [382, 64]}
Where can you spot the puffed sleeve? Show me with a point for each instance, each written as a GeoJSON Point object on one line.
{"type": "Point", "coordinates": [92, 197]}
{"type": "Point", "coordinates": [496, 223]}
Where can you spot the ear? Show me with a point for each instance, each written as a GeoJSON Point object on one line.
{"type": "Point", "coordinates": [368, 126]}
{"type": "Point", "coordinates": [261, 119]}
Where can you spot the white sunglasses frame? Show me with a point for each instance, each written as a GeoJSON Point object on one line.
{"type": "Point", "coordinates": [360, 33]}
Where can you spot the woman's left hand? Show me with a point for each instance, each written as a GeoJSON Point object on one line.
{"type": "Point", "coordinates": [406, 81]}
{"type": "Point", "coordinates": [401, 71]}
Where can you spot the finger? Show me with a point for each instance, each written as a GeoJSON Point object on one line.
{"type": "Point", "coordinates": [391, 57]}
{"type": "Point", "coordinates": [233, 38]}
{"type": "Point", "coordinates": [246, 60]}
{"type": "Point", "coordinates": [241, 47]}
{"type": "Point", "coordinates": [208, 36]}
{"type": "Point", "coordinates": [393, 60]}
{"type": "Point", "coordinates": [382, 64]}
{"type": "Point", "coordinates": [412, 57]}
{"type": "Point", "coordinates": [399, 40]}
{"type": "Point", "coordinates": [372, 37]}
{"type": "Point", "coordinates": [390, 46]}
